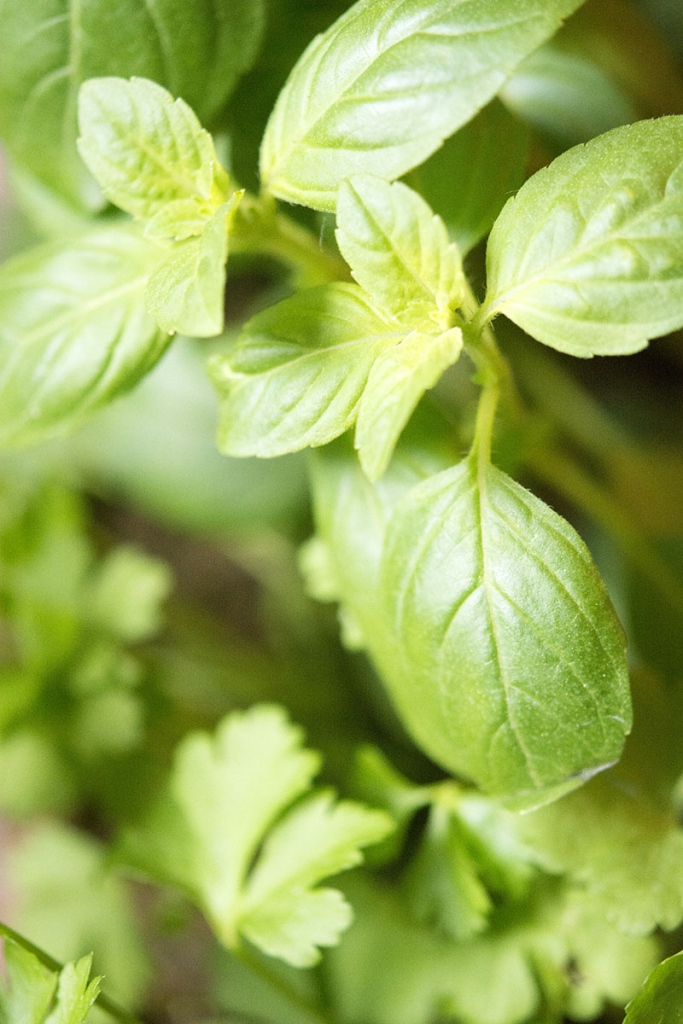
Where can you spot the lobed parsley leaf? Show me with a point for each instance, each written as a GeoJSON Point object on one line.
{"type": "Point", "coordinates": [587, 257]}
{"type": "Point", "coordinates": [225, 798]}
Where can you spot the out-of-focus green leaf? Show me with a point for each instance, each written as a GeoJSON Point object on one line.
{"type": "Point", "coordinates": [468, 179]}
{"type": "Point", "coordinates": [74, 331]}
{"type": "Point", "coordinates": [196, 48]}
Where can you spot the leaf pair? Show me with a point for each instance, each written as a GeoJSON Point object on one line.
{"type": "Point", "coordinates": [306, 369]}
{"type": "Point", "coordinates": [230, 801]}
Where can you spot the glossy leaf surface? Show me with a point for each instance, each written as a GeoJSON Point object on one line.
{"type": "Point", "coordinates": [587, 257]}
{"type": "Point", "coordinates": [385, 85]}
{"type": "Point", "coordinates": [661, 998]}
{"type": "Point", "coordinates": [479, 581]}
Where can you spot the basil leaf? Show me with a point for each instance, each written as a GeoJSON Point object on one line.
{"type": "Point", "coordinates": [197, 48]}
{"type": "Point", "coordinates": [480, 579]}
{"type": "Point", "coordinates": [186, 292]}
{"type": "Point", "coordinates": [386, 84]}
{"type": "Point", "coordinates": [150, 154]}
{"type": "Point", "coordinates": [74, 331]}
{"type": "Point", "coordinates": [588, 256]}
{"type": "Point", "coordinates": [469, 179]}
{"type": "Point", "coordinates": [399, 251]}
{"type": "Point", "coordinates": [295, 376]}
{"type": "Point", "coordinates": [659, 999]}
{"type": "Point", "coordinates": [396, 383]}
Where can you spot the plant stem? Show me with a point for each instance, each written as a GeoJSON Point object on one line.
{"type": "Point", "coordinates": [103, 1001]}
{"type": "Point", "coordinates": [260, 227]}
{"type": "Point", "coordinates": [303, 1005]}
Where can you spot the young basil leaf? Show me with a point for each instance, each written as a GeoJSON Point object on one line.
{"type": "Point", "coordinates": [196, 48]}
{"type": "Point", "coordinates": [295, 376]}
{"type": "Point", "coordinates": [150, 154]}
{"type": "Point", "coordinates": [659, 999]}
{"type": "Point", "coordinates": [480, 579]}
{"type": "Point", "coordinates": [469, 179]}
{"type": "Point", "coordinates": [186, 292]}
{"type": "Point", "coordinates": [386, 84]}
{"type": "Point", "coordinates": [396, 383]}
{"type": "Point", "coordinates": [74, 331]}
{"type": "Point", "coordinates": [587, 257]}
{"type": "Point", "coordinates": [399, 251]}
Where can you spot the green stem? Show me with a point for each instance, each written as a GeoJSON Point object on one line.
{"type": "Point", "coordinates": [103, 1001]}
{"type": "Point", "coordinates": [260, 227]}
{"type": "Point", "coordinates": [303, 1005]}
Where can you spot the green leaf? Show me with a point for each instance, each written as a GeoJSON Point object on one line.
{"type": "Point", "coordinates": [399, 251]}
{"type": "Point", "coordinates": [196, 48]}
{"type": "Point", "coordinates": [626, 853]}
{"type": "Point", "coordinates": [295, 376]}
{"type": "Point", "coordinates": [69, 900]}
{"type": "Point", "coordinates": [226, 795]}
{"type": "Point", "coordinates": [486, 159]}
{"type": "Point", "coordinates": [32, 986]}
{"type": "Point", "coordinates": [150, 155]}
{"type": "Point", "coordinates": [74, 332]}
{"type": "Point", "coordinates": [660, 997]}
{"type": "Point", "coordinates": [75, 995]}
{"type": "Point", "coordinates": [587, 257]}
{"type": "Point", "coordinates": [480, 579]}
{"type": "Point", "coordinates": [385, 85]}
{"type": "Point", "coordinates": [567, 97]}
{"type": "Point", "coordinates": [396, 383]}
{"type": "Point", "coordinates": [126, 597]}
{"type": "Point", "coordinates": [282, 912]}
{"type": "Point", "coordinates": [186, 292]}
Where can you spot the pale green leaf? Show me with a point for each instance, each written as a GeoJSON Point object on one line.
{"type": "Point", "coordinates": [31, 987]}
{"type": "Point", "coordinates": [126, 596]}
{"type": "Point", "coordinates": [74, 331]}
{"type": "Point", "coordinates": [626, 852]}
{"type": "Point", "coordinates": [587, 257]}
{"type": "Point", "coordinates": [296, 375]}
{"type": "Point", "coordinates": [399, 251]}
{"type": "Point", "coordinates": [196, 48]}
{"type": "Point", "coordinates": [480, 579]}
{"type": "Point", "coordinates": [75, 995]}
{"type": "Point", "coordinates": [216, 836]}
{"type": "Point", "coordinates": [386, 84]}
{"type": "Point", "coordinates": [396, 383]}
{"type": "Point", "coordinates": [279, 911]}
{"type": "Point", "coordinates": [660, 1001]}
{"type": "Point", "coordinates": [468, 180]}
{"type": "Point", "coordinates": [186, 292]}
{"type": "Point", "coordinates": [149, 154]}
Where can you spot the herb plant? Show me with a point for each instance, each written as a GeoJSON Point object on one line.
{"type": "Point", "coordinates": [457, 204]}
